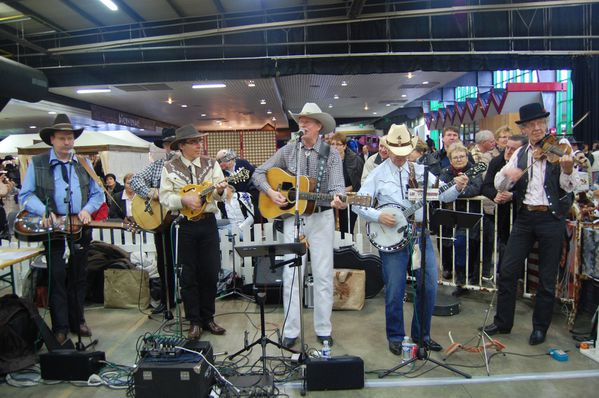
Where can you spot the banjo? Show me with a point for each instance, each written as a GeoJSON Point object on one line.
{"type": "Point", "coordinates": [392, 239]}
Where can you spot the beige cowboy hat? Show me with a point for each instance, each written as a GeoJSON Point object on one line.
{"type": "Point", "coordinates": [312, 111]}
{"type": "Point", "coordinates": [61, 123]}
{"type": "Point", "coordinates": [399, 140]}
{"type": "Point", "coordinates": [185, 133]}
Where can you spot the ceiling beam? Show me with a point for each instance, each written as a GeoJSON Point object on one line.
{"type": "Point", "coordinates": [176, 8]}
{"type": "Point", "coordinates": [219, 6]}
{"type": "Point", "coordinates": [82, 12]}
{"type": "Point", "coordinates": [355, 9]}
{"type": "Point", "coordinates": [29, 12]}
{"type": "Point", "coordinates": [4, 32]}
{"type": "Point", "coordinates": [129, 11]}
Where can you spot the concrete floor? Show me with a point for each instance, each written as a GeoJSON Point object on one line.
{"type": "Point", "coordinates": [363, 334]}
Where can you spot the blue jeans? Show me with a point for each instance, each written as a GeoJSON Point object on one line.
{"type": "Point", "coordinates": [394, 275]}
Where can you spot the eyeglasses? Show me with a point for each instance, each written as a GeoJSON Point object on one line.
{"type": "Point", "coordinates": [194, 141]}
{"type": "Point", "coordinates": [459, 157]}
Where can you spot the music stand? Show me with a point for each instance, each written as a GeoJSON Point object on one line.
{"type": "Point", "coordinates": [270, 251]}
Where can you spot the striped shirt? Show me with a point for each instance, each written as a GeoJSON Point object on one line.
{"type": "Point", "coordinates": [285, 158]}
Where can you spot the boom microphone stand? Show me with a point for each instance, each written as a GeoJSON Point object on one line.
{"type": "Point", "coordinates": [422, 353]}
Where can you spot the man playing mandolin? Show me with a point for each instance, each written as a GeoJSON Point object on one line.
{"type": "Point", "coordinates": [57, 184]}
{"type": "Point", "coordinates": [317, 161]}
{"type": "Point", "coordinates": [388, 184]}
{"type": "Point", "coordinates": [542, 201]}
{"type": "Point", "coordinates": [199, 254]}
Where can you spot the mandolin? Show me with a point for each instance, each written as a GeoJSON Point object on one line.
{"type": "Point", "coordinates": [205, 189]}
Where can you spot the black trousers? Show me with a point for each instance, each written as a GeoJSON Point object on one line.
{"type": "Point", "coordinates": [528, 228]}
{"type": "Point", "coordinates": [199, 256]}
{"type": "Point", "coordinates": [68, 284]}
{"type": "Point", "coordinates": [343, 221]}
{"type": "Point", "coordinates": [164, 254]}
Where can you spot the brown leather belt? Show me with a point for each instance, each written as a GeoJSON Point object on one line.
{"type": "Point", "coordinates": [537, 208]}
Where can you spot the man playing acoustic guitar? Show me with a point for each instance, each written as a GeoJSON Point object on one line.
{"type": "Point", "coordinates": [54, 184]}
{"type": "Point", "coordinates": [319, 162]}
{"type": "Point", "coordinates": [199, 254]}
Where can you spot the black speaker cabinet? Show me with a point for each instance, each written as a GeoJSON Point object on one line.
{"type": "Point", "coordinates": [336, 373]}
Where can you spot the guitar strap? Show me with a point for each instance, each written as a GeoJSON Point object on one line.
{"type": "Point", "coordinates": [323, 156]}
{"type": "Point", "coordinates": [83, 161]}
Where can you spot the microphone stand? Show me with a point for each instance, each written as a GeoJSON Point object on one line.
{"type": "Point", "coordinates": [177, 268]}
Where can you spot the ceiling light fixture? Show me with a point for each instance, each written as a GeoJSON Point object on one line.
{"type": "Point", "coordinates": [425, 82]}
{"type": "Point", "coordinates": [209, 85]}
{"type": "Point", "coordinates": [366, 106]}
{"type": "Point", "coordinates": [111, 6]}
{"type": "Point", "coordinates": [344, 83]}
{"type": "Point", "coordinates": [388, 105]}
{"type": "Point", "coordinates": [262, 102]}
{"type": "Point", "coordinates": [251, 83]}
{"type": "Point", "coordinates": [403, 96]}
{"type": "Point", "coordinates": [274, 119]}
{"type": "Point", "coordinates": [93, 90]}
{"type": "Point", "coordinates": [410, 75]}
{"type": "Point", "coordinates": [51, 113]}
{"type": "Point", "coordinates": [169, 101]}
{"type": "Point", "coordinates": [330, 105]}
{"type": "Point", "coordinates": [374, 113]}
{"type": "Point", "coordinates": [335, 96]}
{"type": "Point", "coordinates": [203, 115]}
{"type": "Point", "coordinates": [32, 127]}
{"type": "Point", "coordinates": [183, 106]}
{"type": "Point", "coordinates": [269, 112]}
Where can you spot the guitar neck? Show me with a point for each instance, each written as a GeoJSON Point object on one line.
{"type": "Point", "coordinates": [213, 187]}
{"type": "Point", "coordinates": [319, 196]}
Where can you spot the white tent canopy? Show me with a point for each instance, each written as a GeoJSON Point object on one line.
{"type": "Point", "coordinates": [9, 145]}
{"type": "Point", "coordinates": [121, 152]}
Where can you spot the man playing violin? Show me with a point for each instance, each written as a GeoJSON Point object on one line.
{"type": "Point", "coordinates": [542, 191]}
{"type": "Point", "coordinates": [199, 254]}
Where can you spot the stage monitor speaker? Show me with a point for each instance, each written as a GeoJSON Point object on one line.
{"type": "Point", "coordinates": [336, 373]}
{"type": "Point", "coordinates": [186, 375]}
{"type": "Point", "coordinates": [70, 365]}
{"type": "Point", "coordinates": [269, 281]}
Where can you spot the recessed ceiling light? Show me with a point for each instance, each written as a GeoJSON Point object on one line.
{"type": "Point", "coordinates": [169, 101]}
{"type": "Point", "coordinates": [251, 83]}
{"type": "Point", "coordinates": [269, 112]}
{"type": "Point", "coordinates": [262, 102]}
{"type": "Point", "coordinates": [344, 83]}
{"type": "Point", "coordinates": [209, 85]}
{"type": "Point", "coordinates": [374, 113]}
{"type": "Point", "coordinates": [387, 104]}
{"type": "Point", "coordinates": [365, 107]}
{"type": "Point", "coordinates": [274, 119]}
{"type": "Point", "coordinates": [425, 82]}
{"type": "Point", "coordinates": [93, 90]}
{"type": "Point", "coordinates": [330, 105]}
{"type": "Point", "coordinates": [111, 6]}
{"type": "Point", "coordinates": [183, 106]}
{"type": "Point", "coordinates": [335, 96]}
{"type": "Point", "coordinates": [404, 95]}
{"type": "Point", "coordinates": [51, 113]}
{"type": "Point", "coordinates": [32, 127]}
{"type": "Point", "coordinates": [203, 115]}
{"type": "Point", "coordinates": [410, 75]}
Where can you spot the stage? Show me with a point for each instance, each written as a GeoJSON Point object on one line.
{"type": "Point", "coordinates": [523, 370]}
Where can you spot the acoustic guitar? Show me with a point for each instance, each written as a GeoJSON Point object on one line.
{"type": "Point", "coordinates": [28, 227]}
{"type": "Point", "coordinates": [283, 182]}
{"type": "Point", "coordinates": [148, 214]}
{"type": "Point", "coordinates": [205, 189]}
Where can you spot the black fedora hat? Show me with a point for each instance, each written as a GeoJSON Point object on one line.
{"type": "Point", "coordinates": [168, 135]}
{"type": "Point", "coordinates": [185, 133]}
{"type": "Point", "coordinates": [61, 123]}
{"type": "Point", "coordinates": [532, 111]}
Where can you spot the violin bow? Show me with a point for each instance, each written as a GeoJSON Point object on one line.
{"type": "Point", "coordinates": [581, 119]}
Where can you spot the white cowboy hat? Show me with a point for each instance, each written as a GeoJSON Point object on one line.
{"type": "Point", "coordinates": [399, 140]}
{"type": "Point", "coordinates": [312, 111]}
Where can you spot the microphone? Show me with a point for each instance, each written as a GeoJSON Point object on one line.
{"type": "Point", "coordinates": [300, 133]}
{"type": "Point", "coordinates": [179, 218]}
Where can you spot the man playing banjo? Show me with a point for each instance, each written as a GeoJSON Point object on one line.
{"type": "Point", "coordinates": [388, 184]}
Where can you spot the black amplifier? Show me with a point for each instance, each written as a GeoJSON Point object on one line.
{"type": "Point", "coordinates": [335, 373]}
{"type": "Point", "coordinates": [182, 376]}
{"type": "Point", "coordinates": [70, 364]}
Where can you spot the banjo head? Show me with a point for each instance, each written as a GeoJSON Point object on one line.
{"type": "Point", "coordinates": [390, 239]}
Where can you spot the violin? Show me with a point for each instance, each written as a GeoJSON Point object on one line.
{"type": "Point", "coordinates": [549, 148]}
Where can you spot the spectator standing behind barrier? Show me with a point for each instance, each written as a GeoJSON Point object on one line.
{"type": "Point", "coordinates": [503, 199]}
{"type": "Point", "coordinates": [121, 207]}
{"type": "Point", "coordinates": [236, 207]}
{"type": "Point", "coordinates": [458, 156]}
{"type": "Point", "coordinates": [502, 134]}
{"type": "Point", "coordinates": [113, 188]}
{"type": "Point", "coordinates": [375, 159]}
{"type": "Point", "coordinates": [449, 136]}
{"type": "Point", "coordinates": [352, 172]}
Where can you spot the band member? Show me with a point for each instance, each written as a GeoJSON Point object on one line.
{"type": "Point", "coordinates": [542, 202]}
{"type": "Point", "coordinates": [318, 227]}
{"type": "Point", "coordinates": [57, 184]}
{"type": "Point", "coordinates": [146, 184]}
{"type": "Point", "coordinates": [388, 184]}
{"type": "Point", "coordinates": [199, 253]}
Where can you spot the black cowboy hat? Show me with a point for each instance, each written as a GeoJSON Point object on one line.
{"type": "Point", "coordinates": [168, 135]}
{"type": "Point", "coordinates": [185, 133]}
{"type": "Point", "coordinates": [61, 123]}
{"type": "Point", "coordinates": [532, 111]}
